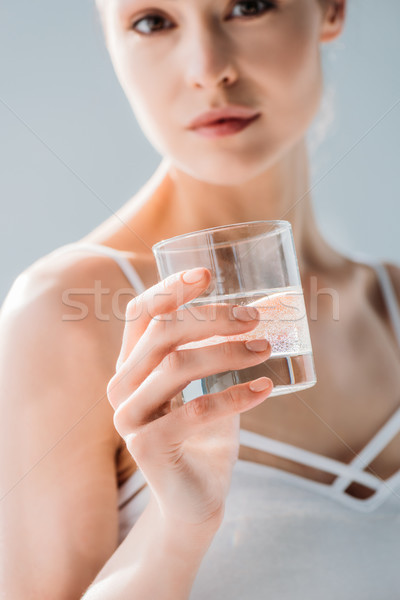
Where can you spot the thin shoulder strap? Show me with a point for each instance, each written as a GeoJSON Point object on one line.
{"type": "Point", "coordinates": [119, 257]}
{"type": "Point", "coordinates": [387, 291]}
{"type": "Point", "coordinates": [372, 449]}
{"type": "Point", "coordinates": [384, 436]}
{"type": "Point", "coordinates": [390, 298]}
{"type": "Point", "coordinates": [305, 457]}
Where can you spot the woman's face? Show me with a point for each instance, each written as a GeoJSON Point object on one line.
{"type": "Point", "coordinates": [176, 59]}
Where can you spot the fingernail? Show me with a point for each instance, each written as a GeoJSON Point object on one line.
{"type": "Point", "coordinates": [260, 384]}
{"type": "Point", "coordinates": [245, 313]}
{"type": "Point", "coordinates": [257, 345]}
{"type": "Point", "coordinates": [193, 276]}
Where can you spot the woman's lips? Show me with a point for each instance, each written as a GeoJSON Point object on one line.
{"type": "Point", "coordinates": [224, 127]}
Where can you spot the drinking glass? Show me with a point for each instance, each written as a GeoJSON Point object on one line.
{"type": "Point", "coordinates": [252, 264]}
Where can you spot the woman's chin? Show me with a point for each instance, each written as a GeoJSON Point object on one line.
{"type": "Point", "coordinates": [224, 175]}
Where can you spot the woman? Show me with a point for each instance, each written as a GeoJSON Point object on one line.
{"type": "Point", "coordinates": [304, 507]}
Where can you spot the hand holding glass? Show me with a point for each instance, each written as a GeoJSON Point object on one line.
{"type": "Point", "coordinates": [252, 264]}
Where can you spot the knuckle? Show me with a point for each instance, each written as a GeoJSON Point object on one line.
{"type": "Point", "coordinates": [175, 360]}
{"type": "Point", "coordinates": [228, 351]}
{"type": "Point", "coordinates": [160, 327]}
{"type": "Point", "coordinates": [117, 420]}
{"type": "Point", "coordinates": [131, 309]}
{"type": "Point", "coordinates": [111, 391]}
{"type": "Point", "coordinates": [124, 419]}
{"type": "Point", "coordinates": [143, 439]}
{"type": "Point", "coordinates": [233, 398]}
{"type": "Point", "coordinates": [137, 444]}
{"type": "Point", "coordinates": [199, 407]}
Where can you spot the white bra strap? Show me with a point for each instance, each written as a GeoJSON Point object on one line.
{"type": "Point", "coordinates": [128, 270]}
{"type": "Point", "coordinates": [390, 298]}
{"type": "Point", "coordinates": [392, 427]}
{"type": "Point", "coordinates": [373, 448]}
{"type": "Point", "coordinates": [311, 459]}
{"type": "Point", "coordinates": [387, 289]}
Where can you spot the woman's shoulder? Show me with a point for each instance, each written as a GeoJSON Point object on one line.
{"type": "Point", "coordinates": [368, 270]}
{"type": "Point", "coordinates": [68, 272]}
{"type": "Point", "coordinates": [383, 277]}
{"type": "Point", "coordinates": [71, 295]}
{"type": "Point", "coordinates": [52, 317]}
{"type": "Point", "coordinates": [80, 262]}
{"type": "Point", "coordinates": [366, 283]}
{"type": "Point", "coordinates": [379, 283]}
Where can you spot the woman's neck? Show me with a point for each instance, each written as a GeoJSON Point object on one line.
{"type": "Point", "coordinates": [281, 192]}
{"type": "Point", "coordinates": [172, 202]}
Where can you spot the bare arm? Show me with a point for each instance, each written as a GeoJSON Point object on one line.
{"type": "Point", "coordinates": [156, 560]}
{"type": "Point", "coordinates": [58, 492]}
{"type": "Point", "coordinates": [58, 508]}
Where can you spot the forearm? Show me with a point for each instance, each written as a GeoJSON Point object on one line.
{"type": "Point", "coordinates": [155, 560]}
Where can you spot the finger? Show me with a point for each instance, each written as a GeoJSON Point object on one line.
{"type": "Point", "coordinates": [152, 398]}
{"type": "Point", "coordinates": [165, 296]}
{"type": "Point", "coordinates": [211, 323]}
{"type": "Point", "coordinates": [191, 418]}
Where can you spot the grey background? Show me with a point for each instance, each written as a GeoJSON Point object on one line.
{"type": "Point", "coordinates": [71, 151]}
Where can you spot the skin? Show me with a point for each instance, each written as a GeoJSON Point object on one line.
{"type": "Point", "coordinates": [80, 444]}
{"type": "Point", "coordinates": [270, 63]}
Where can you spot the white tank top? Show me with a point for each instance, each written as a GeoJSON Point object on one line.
{"type": "Point", "coordinates": [285, 537]}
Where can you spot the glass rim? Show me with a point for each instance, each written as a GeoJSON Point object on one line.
{"type": "Point", "coordinates": [281, 224]}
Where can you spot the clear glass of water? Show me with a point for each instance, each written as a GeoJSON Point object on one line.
{"type": "Point", "coordinates": [253, 264]}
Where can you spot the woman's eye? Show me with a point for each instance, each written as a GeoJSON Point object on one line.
{"type": "Point", "coordinates": [154, 23]}
{"type": "Point", "coordinates": [151, 24]}
{"type": "Point", "coordinates": [252, 8]}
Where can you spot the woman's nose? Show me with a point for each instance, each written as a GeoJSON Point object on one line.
{"type": "Point", "coordinates": [209, 62]}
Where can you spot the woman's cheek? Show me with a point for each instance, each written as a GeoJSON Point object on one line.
{"type": "Point", "coordinates": [297, 74]}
